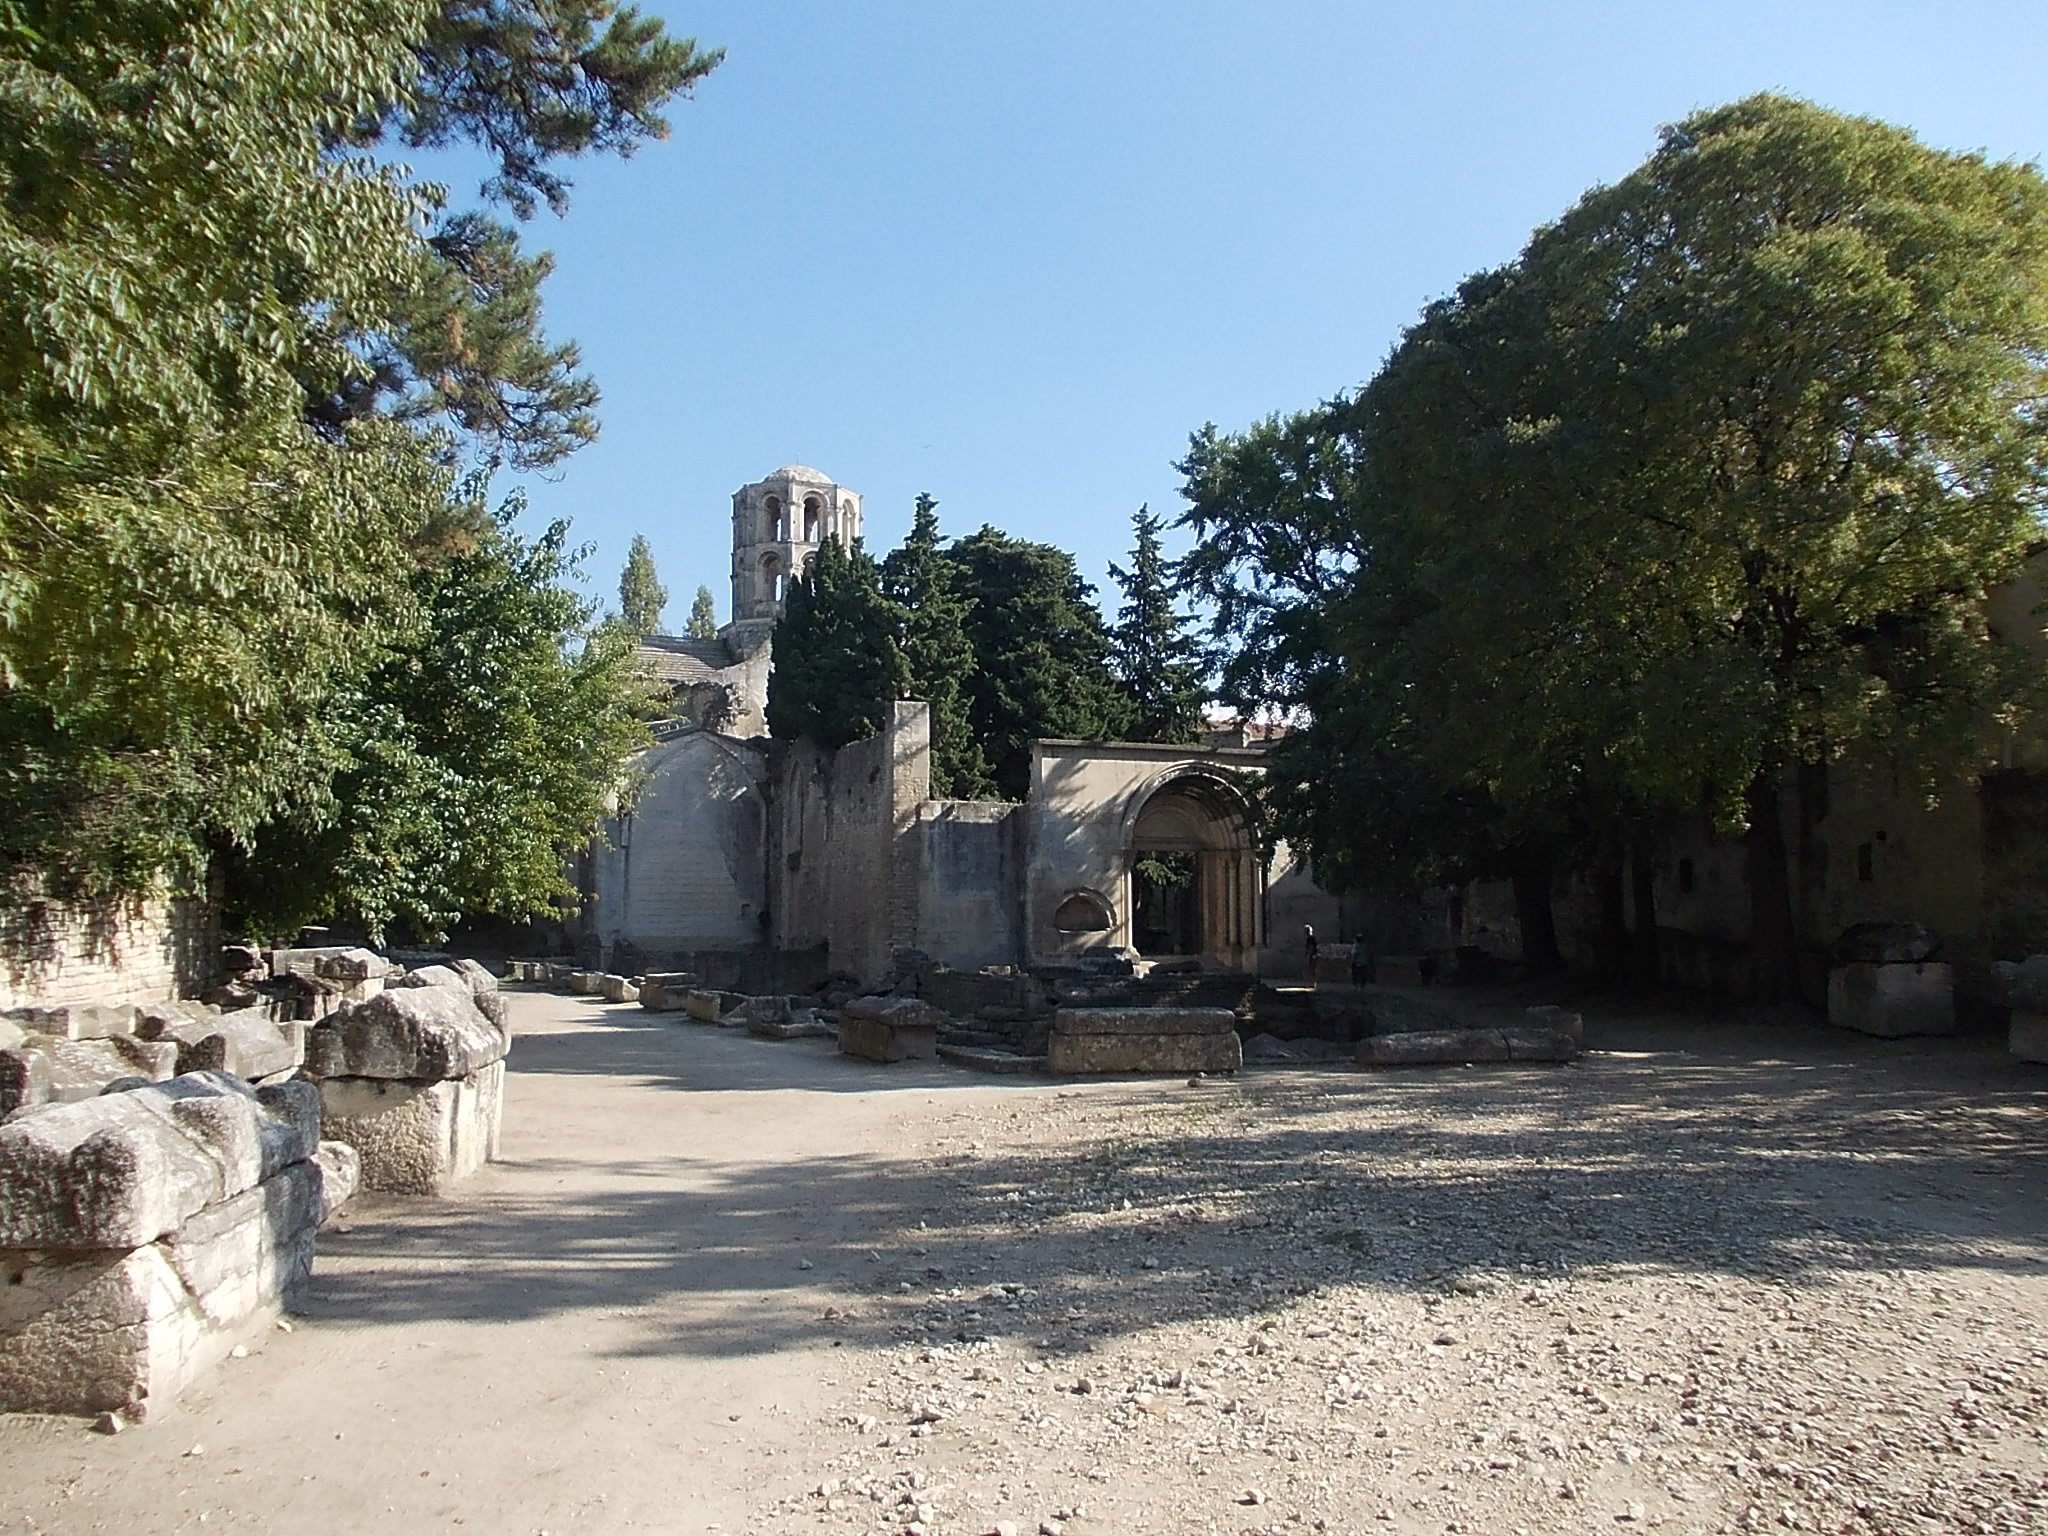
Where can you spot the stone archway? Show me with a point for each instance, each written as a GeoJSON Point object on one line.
{"type": "Point", "coordinates": [1195, 873]}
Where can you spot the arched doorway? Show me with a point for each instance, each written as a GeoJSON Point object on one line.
{"type": "Point", "coordinates": [1195, 872]}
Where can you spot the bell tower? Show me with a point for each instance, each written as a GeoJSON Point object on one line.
{"type": "Point", "coordinates": [777, 525]}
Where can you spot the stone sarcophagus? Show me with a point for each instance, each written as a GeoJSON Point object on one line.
{"type": "Point", "coordinates": [1087, 1040]}
{"type": "Point", "coordinates": [414, 1079]}
{"type": "Point", "coordinates": [145, 1232]}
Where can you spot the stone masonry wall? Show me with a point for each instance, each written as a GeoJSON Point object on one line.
{"type": "Point", "coordinates": [123, 952]}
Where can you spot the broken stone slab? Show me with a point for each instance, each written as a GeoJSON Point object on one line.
{"type": "Point", "coordinates": [248, 1043]}
{"type": "Point", "coordinates": [425, 1034]}
{"type": "Point", "coordinates": [24, 1079]}
{"type": "Point", "coordinates": [1893, 1000]}
{"type": "Point", "coordinates": [82, 1069]}
{"type": "Point", "coordinates": [1267, 1049]}
{"type": "Point", "coordinates": [2021, 985]}
{"type": "Point", "coordinates": [332, 962]}
{"type": "Point", "coordinates": [78, 1021]}
{"type": "Point", "coordinates": [619, 989]}
{"type": "Point", "coordinates": [340, 1170]}
{"type": "Point", "coordinates": [585, 983]}
{"type": "Point", "coordinates": [667, 991]}
{"type": "Point", "coordinates": [989, 1058]}
{"type": "Point", "coordinates": [122, 1170]}
{"type": "Point", "coordinates": [799, 1024]}
{"type": "Point", "coordinates": [709, 1007]}
{"type": "Point", "coordinates": [242, 960]}
{"type": "Point", "coordinates": [416, 1138]}
{"type": "Point", "coordinates": [1388, 1013]}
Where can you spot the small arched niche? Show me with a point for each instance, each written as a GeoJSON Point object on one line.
{"type": "Point", "coordinates": [1083, 912]}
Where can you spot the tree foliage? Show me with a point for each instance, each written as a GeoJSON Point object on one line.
{"type": "Point", "coordinates": [703, 621]}
{"type": "Point", "coordinates": [1155, 656]}
{"type": "Point", "coordinates": [838, 663]}
{"type": "Point", "coordinates": [923, 582]}
{"type": "Point", "coordinates": [1710, 483]}
{"type": "Point", "coordinates": [230, 339]}
{"type": "Point", "coordinates": [1040, 650]}
{"type": "Point", "coordinates": [641, 594]}
{"type": "Point", "coordinates": [487, 737]}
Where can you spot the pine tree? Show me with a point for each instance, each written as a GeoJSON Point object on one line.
{"type": "Point", "coordinates": [641, 594]}
{"type": "Point", "coordinates": [920, 579]}
{"type": "Point", "coordinates": [838, 667]}
{"type": "Point", "coordinates": [1155, 657]}
{"type": "Point", "coordinates": [703, 622]}
{"type": "Point", "coordinates": [1041, 665]}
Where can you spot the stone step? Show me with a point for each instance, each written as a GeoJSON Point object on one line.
{"type": "Point", "coordinates": [980, 1058]}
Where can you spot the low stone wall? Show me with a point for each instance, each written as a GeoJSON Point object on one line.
{"type": "Point", "coordinates": [144, 1233]}
{"type": "Point", "coordinates": [414, 1078]}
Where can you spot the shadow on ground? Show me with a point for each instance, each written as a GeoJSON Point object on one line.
{"type": "Point", "coordinates": [1056, 1215]}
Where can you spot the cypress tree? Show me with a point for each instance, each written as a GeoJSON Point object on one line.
{"type": "Point", "coordinates": [1156, 659]}
{"type": "Point", "coordinates": [838, 666]}
{"type": "Point", "coordinates": [641, 594]}
{"type": "Point", "coordinates": [919, 579]}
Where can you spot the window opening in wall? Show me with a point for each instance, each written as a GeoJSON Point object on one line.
{"type": "Point", "coordinates": [771, 519]}
{"type": "Point", "coordinates": [813, 515]}
{"type": "Point", "coordinates": [1866, 857]}
{"type": "Point", "coordinates": [1685, 876]}
{"type": "Point", "coordinates": [1082, 913]}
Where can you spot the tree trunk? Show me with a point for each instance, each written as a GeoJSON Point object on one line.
{"type": "Point", "coordinates": [1773, 948]}
{"type": "Point", "coordinates": [1648, 964]}
{"type": "Point", "coordinates": [1540, 954]}
{"type": "Point", "coordinates": [1607, 892]}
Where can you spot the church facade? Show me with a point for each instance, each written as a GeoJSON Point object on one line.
{"type": "Point", "coordinates": [753, 859]}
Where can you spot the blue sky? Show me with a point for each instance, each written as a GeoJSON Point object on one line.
{"type": "Point", "coordinates": [1014, 254]}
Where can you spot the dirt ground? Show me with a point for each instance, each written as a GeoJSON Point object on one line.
{"type": "Point", "coordinates": [1718, 1277]}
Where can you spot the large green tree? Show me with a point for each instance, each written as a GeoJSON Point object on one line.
{"type": "Point", "coordinates": [838, 662]}
{"type": "Point", "coordinates": [1152, 649]}
{"type": "Point", "coordinates": [226, 341]}
{"type": "Point", "coordinates": [1041, 653]}
{"type": "Point", "coordinates": [487, 737]}
{"type": "Point", "coordinates": [1708, 485]}
{"type": "Point", "coordinates": [922, 581]}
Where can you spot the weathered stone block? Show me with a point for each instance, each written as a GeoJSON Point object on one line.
{"type": "Point", "coordinates": [667, 991]}
{"type": "Point", "coordinates": [1563, 1020]}
{"type": "Point", "coordinates": [873, 1039]}
{"type": "Point", "coordinates": [1433, 1047]}
{"type": "Point", "coordinates": [82, 1069]}
{"type": "Point", "coordinates": [91, 1330]}
{"type": "Point", "coordinates": [425, 1034]}
{"type": "Point", "coordinates": [2029, 1036]}
{"type": "Point", "coordinates": [79, 1021]}
{"type": "Point", "coordinates": [1143, 1040]}
{"type": "Point", "coordinates": [248, 1044]}
{"type": "Point", "coordinates": [585, 983]}
{"type": "Point", "coordinates": [619, 989]}
{"type": "Point", "coordinates": [1893, 1000]}
{"type": "Point", "coordinates": [123, 1170]}
{"type": "Point", "coordinates": [24, 1079]}
{"type": "Point", "coordinates": [797, 1024]}
{"type": "Point", "coordinates": [1887, 944]}
{"type": "Point", "coordinates": [416, 1138]}
{"type": "Point", "coordinates": [709, 1007]}
{"type": "Point", "coordinates": [1144, 1021]}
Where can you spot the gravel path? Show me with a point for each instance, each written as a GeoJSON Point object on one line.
{"type": "Point", "coordinates": [1716, 1278]}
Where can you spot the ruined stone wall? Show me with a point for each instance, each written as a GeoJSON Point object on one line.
{"type": "Point", "coordinates": [687, 869]}
{"type": "Point", "coordinates": [120, 952]}
{"type": "Point", "coordinates": [971, 883]}
{"type": "Point", "coordinates": [844, 851]}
